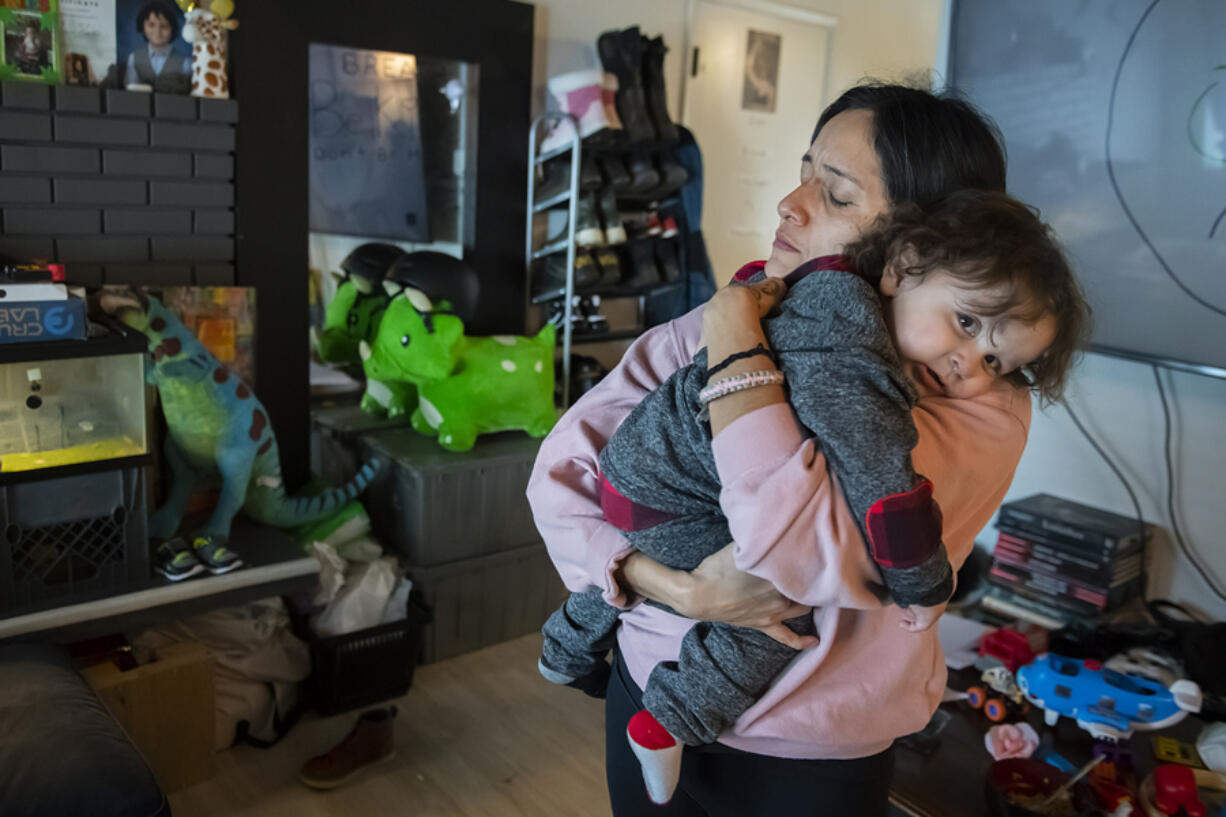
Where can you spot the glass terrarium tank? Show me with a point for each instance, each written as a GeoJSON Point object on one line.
{"type": "Point", "coordinates": [71, 402]}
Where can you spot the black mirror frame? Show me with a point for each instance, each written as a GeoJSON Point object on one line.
{"type": "Point", "coordinates": [269, 68]}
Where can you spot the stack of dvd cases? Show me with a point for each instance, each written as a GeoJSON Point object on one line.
{"type": "Point", "coordinates": [1066, 560]}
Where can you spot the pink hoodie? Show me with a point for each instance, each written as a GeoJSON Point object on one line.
{"type": "Point", "coordinates": [867, 682]}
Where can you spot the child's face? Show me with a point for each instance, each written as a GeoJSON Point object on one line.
{"type": "Point", "coordinates": [948, 346]}
{"type": "Point", "coordinates": [157, 30]}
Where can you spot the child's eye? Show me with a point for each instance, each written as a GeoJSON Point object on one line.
{"type": "Point", "coordinates": [967, 322]}
{"type": "Point", "coordinates": [993, 361]}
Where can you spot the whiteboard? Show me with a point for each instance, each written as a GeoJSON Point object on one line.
{"type": "Point", "coordinates": [1114, 117]}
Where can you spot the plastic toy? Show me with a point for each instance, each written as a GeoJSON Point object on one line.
{"type": "Point", "coordinates": [1147, 663]}
{"type": "Point", "coordinates": [1013, 648]}
{"type": "Point", "coordinates": [1105, 703]}
{"type": "Point", "coordinates": [215, 424]}
{"type": "Point", "coordinates": [1009, 698]}
{"type": "Point", "coordinates": [353, 313]}
{"type": "Point", "coordinates": [205, 29]}
{"type": "Point", "coordinates": [466, 386]}
{"type": "Point", "coordinates": [1175, 789]}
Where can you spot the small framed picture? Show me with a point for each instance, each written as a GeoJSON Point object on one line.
{"type": "Point", "coordinates": [761, 85]}
{"type": "Point", "coordinates": [30, 45]}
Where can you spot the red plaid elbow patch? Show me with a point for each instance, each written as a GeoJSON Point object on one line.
{"type": "Point", "coordinates": [625, 514]}
{"type": "Point", "coordinates": [904, 529]}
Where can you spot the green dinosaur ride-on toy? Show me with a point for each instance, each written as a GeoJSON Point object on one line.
{"type": "Point", "coordinates": [466, 386]}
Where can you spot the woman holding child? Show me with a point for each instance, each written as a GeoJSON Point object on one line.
{"type": "Point", "coordinates": [817, 741]}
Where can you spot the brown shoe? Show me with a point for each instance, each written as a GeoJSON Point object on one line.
{"type": "Point", "coordinates": [369, 742]}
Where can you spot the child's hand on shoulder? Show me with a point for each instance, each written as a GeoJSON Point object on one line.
{"type": "Point", "coordinates": [740, 307]}
{"type": "Point", "coordinates": [916, 619]}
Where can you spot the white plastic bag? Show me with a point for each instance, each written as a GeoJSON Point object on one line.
{"type": "Point", "coordinates": [332, 570]}
{"type": "Point", "coordinates": [361, 601]}
{"type": "Point", "coordinates": [398, 605]}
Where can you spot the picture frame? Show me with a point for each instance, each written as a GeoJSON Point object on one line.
{"type": "Point", "coordinates": [30, 40]}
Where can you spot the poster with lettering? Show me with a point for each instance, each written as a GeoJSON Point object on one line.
{"type": "Point", "coordinates": [89, 40]}
{"type": "Point", "coordinates": [366, 174]}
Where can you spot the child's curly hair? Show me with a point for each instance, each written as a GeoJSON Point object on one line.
{"type": "Point", "coordinates": [985, 238]}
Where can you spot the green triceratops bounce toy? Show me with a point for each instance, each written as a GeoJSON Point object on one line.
{"type": "Point", "coordinates": [466, 386]}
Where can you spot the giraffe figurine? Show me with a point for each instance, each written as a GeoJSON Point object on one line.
{"type": "Point", "coordinates": [206, 31]}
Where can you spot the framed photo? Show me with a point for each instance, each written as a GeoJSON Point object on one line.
{"type": "Point", "coordinates": [30, 40]}
{"type": "Point", "coordinates": [150, 47]}
{"type": "Point", "coordinates": [761, 85]}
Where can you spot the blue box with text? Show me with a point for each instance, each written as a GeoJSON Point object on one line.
{"type": "Point", "coordinates": [41, 321]}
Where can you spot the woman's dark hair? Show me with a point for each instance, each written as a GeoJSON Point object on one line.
{"type": "Point", "coordinates": [928, 145]}
{"type": "Point", "coordinates": [985, 238]}
{"type": "Point", "coordinates": [162, 8]}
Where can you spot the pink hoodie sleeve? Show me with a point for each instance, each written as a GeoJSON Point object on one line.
{"type": "Point", "coordinates": [564, 491]}
{"type": "Point", "coordinates": [792, 527]}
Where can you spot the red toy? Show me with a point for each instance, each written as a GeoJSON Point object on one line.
{"type": "Point", "coordinates": [1013, 648]}
{"type": "Point", "coordinates": [1175, 789]}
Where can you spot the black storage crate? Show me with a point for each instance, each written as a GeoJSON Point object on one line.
{"type": "Point", "coordinates": [439, 507]}
{"type": "Point", "coordinates": [334, 439]}
{"type": "Point", "coordinates": [72, 539]}
{"type": "Point", "coordinates": [367, 666]}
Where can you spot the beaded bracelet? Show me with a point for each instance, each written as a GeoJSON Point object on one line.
{"type": "Point", "coordinates": [740, 382]}
{"type": "Point", "coordinates": [732, 358]}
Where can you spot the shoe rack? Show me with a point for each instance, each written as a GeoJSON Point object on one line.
{"type": "Point", "coordinates": [569, 198]}
{"type": "Point", "coordinates": [563, 296]}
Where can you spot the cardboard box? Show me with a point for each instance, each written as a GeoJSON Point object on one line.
{"type": "Point", "coordinates": [167, 710]}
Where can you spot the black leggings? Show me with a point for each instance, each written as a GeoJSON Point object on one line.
{"type": "Point", "coordinates": [719, 781]}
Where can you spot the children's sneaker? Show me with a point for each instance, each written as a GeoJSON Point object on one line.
{"type": "Point", "coordinates": [216, 557]}
{"type": "Point", "coordinates": [176, 561]}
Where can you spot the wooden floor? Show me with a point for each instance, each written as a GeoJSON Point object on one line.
{"type": "Point", "coordinates": [482, 735]}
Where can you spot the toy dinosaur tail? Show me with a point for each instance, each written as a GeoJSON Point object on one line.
{"type": "Point", "coordinates": [268, 503]}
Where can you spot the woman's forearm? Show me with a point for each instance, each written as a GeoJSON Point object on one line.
{"type": "Point", "coordinates": [643, 577]}
{"type": "Point", "coordinates": [728, 408]}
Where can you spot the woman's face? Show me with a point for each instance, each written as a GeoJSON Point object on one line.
{"type": "Point", "coordinates": [840, 193]}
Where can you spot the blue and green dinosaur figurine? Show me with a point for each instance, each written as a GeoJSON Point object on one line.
{"type": "Point", "coordinates": [465, 385]}
{"type": "Point", "coordinates": [216, 426]}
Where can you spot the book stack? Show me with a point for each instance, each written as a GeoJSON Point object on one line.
{"type": "Point", "coordinates": [1065, 560]}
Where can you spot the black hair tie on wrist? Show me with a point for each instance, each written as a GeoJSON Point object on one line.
{"type": "Point", "coordinates": [735, 356]}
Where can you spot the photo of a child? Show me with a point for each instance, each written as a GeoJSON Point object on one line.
{"type": "Point", "coordinates": [28, 46]}
{"type": "Point", "coordinates": [151, 50]}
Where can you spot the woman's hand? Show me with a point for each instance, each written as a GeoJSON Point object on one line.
{"type": "Point", "coordinates": [737, 310]}
{"type": "Point", "coordinates": [718, 591]}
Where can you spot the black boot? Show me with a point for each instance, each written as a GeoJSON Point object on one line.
{"type": "Point", "coordinates": [653, 90]}
{"type": "Point", "coordinates": [615, 173]}
{"type": "Point", "coordinates": [672, 175]}
{"type": "Point", "coordinates": [666, 260]}
{"type": "Point", "coordinates": [589, 174]}
{"type": "Point", "coordinates": [643, 175]}
{"type": "Point", "coordinates": [610, 267]}
{"type": "Point", "coordinates": [615, 232]}
{"type": "Point", "coordinates": [621, 54]}
{"type": "Point", "coordinates": [643, 271]}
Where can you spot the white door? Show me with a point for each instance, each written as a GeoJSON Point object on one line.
{"type": "Point", "coordinates": [754, 92]}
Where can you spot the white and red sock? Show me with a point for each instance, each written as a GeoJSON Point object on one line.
{"type": "Point", "coordinates": [659, 755]}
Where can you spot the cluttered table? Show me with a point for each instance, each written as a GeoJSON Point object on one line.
{"type": "Point", "coordinates": [943, 770]}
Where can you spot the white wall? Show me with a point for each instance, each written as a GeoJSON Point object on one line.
{"type": "Point", "coordinates": [886, 39]}
{"type": "Point", "coordinates": [1118, 403]}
